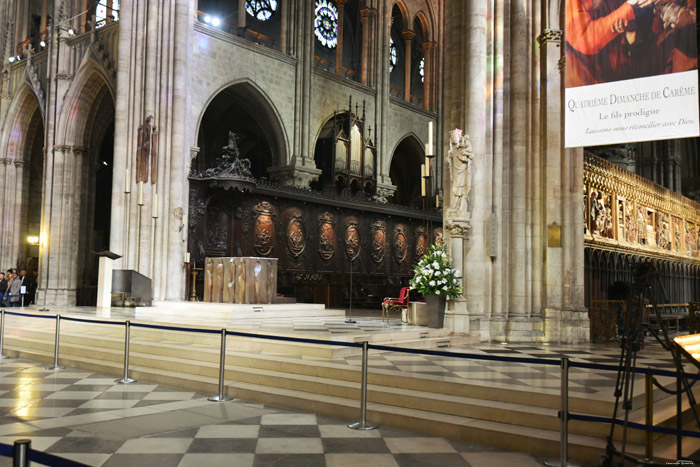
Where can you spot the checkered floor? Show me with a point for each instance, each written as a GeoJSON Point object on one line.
{"type": "Point", "coordinates": [583, 382]}
{"type": "Point", "coordinates": [87, 418]}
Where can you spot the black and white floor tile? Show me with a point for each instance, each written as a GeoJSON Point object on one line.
{"type": "Point", "coordinates": [90, 419]}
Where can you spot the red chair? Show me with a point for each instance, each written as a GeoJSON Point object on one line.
{"type": "Point", "coordinates": [400, 303]}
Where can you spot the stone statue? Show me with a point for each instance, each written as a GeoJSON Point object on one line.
{"type": "Point", "coordinates": [459, 163]}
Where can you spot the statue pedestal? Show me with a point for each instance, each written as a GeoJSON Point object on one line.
{"type": "Point", "coordinates": [240, 280]}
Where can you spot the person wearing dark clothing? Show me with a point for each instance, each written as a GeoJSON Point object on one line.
{"type": "Point", "coordinates": [3, 289]}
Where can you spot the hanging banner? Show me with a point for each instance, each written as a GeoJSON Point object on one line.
{"type": "Point", "coordinates": [631, 71]}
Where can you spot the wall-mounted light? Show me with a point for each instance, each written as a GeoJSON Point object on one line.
{"type": "Point", "coordinates": [42, 43]}
{"type": "Point", "coordinates": [216, 22]}
{"type": "Point", "coordinates": [12, 59]}
{"type": "Point", "coordinates": [33, 239]}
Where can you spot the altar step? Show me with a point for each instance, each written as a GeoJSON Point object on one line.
{"type": "Point", "coordinates": [506, 418]}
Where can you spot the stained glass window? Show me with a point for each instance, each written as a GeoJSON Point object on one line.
{"type": "Point", "coordinates": [101, 14]}
{"type": "Point", "coordinates": [393, 56]}
{"type": "Point", "coordinates": [421, 69]}
{"type": "Point", "coordinates": [326, 24]}
{"type": "Point", "coordinates": [261, 9]}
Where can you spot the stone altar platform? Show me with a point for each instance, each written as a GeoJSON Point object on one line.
{"type": "Point", "coordinates": [240, 280]}
{"type": "Point", "coordinates": [197, 312]}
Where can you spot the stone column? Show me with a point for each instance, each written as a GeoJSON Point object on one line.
{"type": "Point", "coordinates": [339, 46]}
{"type": "Point", "coordinates": [457, 315]}
{"type": "Point", "coordinates": [408, 36]}
{"type": "Point", "coordinates": [428, 75]}
{"type": "Point", "coordinates": [16, 232]}
{"type": "Point", "coordinates": [365, 15]}
{"type": "Point", "coordinates": [301, 169]}
{"type": "Point", "coordinates": [518, 224]}
{"type": "Point", "coordinates": [242, 18]}
{"type": "Point", "coordinates": [83, 19]}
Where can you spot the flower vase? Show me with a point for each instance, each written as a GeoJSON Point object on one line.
{"type": "Point", "coordinates": [435, 307]}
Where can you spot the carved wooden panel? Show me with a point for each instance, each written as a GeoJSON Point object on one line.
{"type": "Point", "coordinates": [378, 242]}
{"type": "Point", "coordinates": [353, 244]}
{"type": "Point", "coordinates": [264, 236]}
{"type": "Point", "coordinates": [421, 241]}
{"type": "Point", "coordinates": [400, 244]}
{"type": "Point", "coordinates": [296, 238]}
{"type": "Point", "coordinates": [326, 237]}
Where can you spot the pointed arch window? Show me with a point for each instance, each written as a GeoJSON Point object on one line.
{"type": "Point", "coordinates": [261, 10]}
{"type": "Point", "coordinates": [421, 69]}
{"type": "Point", "coordinates": [326, 23]}
{"type": "Point", "coordinates": [393, 55]}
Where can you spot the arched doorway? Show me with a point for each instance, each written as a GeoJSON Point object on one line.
{"type": "Point", "coordinates": [77, 209]}
{"type": "Point", "coordinates": [22, 175]}
{"type": "Point", "coordinates": [405, 172]}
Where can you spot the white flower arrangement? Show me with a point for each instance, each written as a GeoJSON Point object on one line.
{"type": "Point", "coordinates": [434, 275]}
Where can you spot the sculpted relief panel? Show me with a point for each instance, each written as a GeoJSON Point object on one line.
{"type": "Point", "coordinates": [623, 210]}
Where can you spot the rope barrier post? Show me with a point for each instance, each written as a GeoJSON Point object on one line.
{"type": "Point", "coordinates": [20, 453]}
{"type": "Point", "coordinates": [679, 417]}
{"type": "Point", "coordinates": [362, 424]}
{"type": "Point", "coordinates": [649, 415]}
{"type": "Point", "coordinates": [125, 379]}
{"type": "Point", "coordinates": [564, 412]}
{"type": "Point", "coordinates": [2, 333]}
{"type": "Point", "coordinates": [55, 365]}
{"type": "Point", "coordinates": [222, 367]}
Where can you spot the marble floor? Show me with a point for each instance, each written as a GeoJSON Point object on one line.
{"type": "Point", "coordinates": [87, 418]}
{"type": "Point", "coordinates": [587, 383]}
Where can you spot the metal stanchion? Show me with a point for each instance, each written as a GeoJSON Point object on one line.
{"type": "Point", "coordinates": [362, 424]}
{"type": "Point", "coordinates": [20, 453]}
{"type": "Point", "coordinates": [564, 413]}
{"type": "Point", "coordinates": [55, 365]}
{"type": "Point", "coordinates": [679, 417]}
{"type": "Point", "coordinates": [2, 333]}
{"type": "Point", "coordinates": [222, 367]}
{"type": "Point", "coordinates": [126, 379]}
{"type": "Point", "coordinates": [649, 415]}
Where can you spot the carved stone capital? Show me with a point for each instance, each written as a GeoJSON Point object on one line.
{"type": "Point", "coordinates": [458, 227]}
{"type": "Point", "coordinates": [384, 190]}
{"type": "Point", "coordinates": [429, 46]}
{"type": "Point", "coordinates": [297, 175]}
{"type": "Point", "coordinates": [408, 35]}
{"type": "Point", "coordinates": [20, 163]}
{"type": "Point", "coordinates": [366, 13]}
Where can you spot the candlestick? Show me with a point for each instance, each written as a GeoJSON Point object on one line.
{"type": "Point", "coordinates": [127, 182]}
{"type": "Point", "coordinates": [437, 201]}
{"type": "Point", "coordinates": [422, 179]}
{"type": "Point", "coordinates": [187, 257]}
{"type": "Point", "coordinates": [140, 202]}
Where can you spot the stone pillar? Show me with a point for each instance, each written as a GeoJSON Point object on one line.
{"type": "Point", "coordinates": [44, 18]}
{"type": "Point", "coordinates": [429, 49]}
{"type": "Point", "coordinates": [16, 202]}
{"type": "Point", "coordinates": [339, 46]}
{"type": "Point", "coordinates": [301, 169]}
{"type": "Point", "coordinates": [408, 36]}
{"type": "Point", "coordinates": [285, 26]}
{"type": "Point", "coordinates": [457, 314]}
{"type": "Point", "coordinates": [83, 19]}
{"type": "Point", "coordinates": [365, 16]}
{"type": "Point", "coordinates": [242, 18]}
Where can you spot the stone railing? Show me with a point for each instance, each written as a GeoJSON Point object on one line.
{"type": "Point", "coordinates": [623, 210]}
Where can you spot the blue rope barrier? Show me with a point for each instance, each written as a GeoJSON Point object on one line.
{"type": "Point", "coordinates": [6, 450]}
{"type": "Point", "coordinates": [635, 425]}
{"type": "Point", "coordinates": [88, 320]}
{"type": "Point", "coordinates": [30, 315]}
{"type": "Point", "coordinates": [294, 339]}
{"type": "Point", "coordinates": [439, 353]}
{"type": "Point", "coordinates": [175, 328]}
{"type": "Point", "coordinates": [641, 371]}
{"type": "Point", "coordinates": [44, 458]}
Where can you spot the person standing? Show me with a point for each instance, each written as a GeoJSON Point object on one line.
{"type": "Point", "coordinates": [16, 289]}
{"type": "Point", "coordinates": [3, 289]}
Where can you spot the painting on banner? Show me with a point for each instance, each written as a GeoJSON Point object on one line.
{"type": "Point", "coordinates": [631, 71]}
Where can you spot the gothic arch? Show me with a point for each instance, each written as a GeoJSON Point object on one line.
{"type": "Point", "coordinates": [90, 88]}
{"type": "Point", "coordinates": [425, 25]}
{"type": "Point", "coordinates": [404, 11]}
{"type": "Point", "coordinates": [255, 96]}
{"type": "Point", "coordinates": [404, 168]}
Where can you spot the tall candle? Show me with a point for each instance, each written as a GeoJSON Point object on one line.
{"type": "Point", "coordinates": [127, 182]}
{"type": "Point", "coordinates": [430, 134]}
{"type": "Point", "coordinates": [154, 214]}
{"type": "Point", "coordinates": [422, 179]}
{"type": "Point", "coordinates": [140, 194]}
